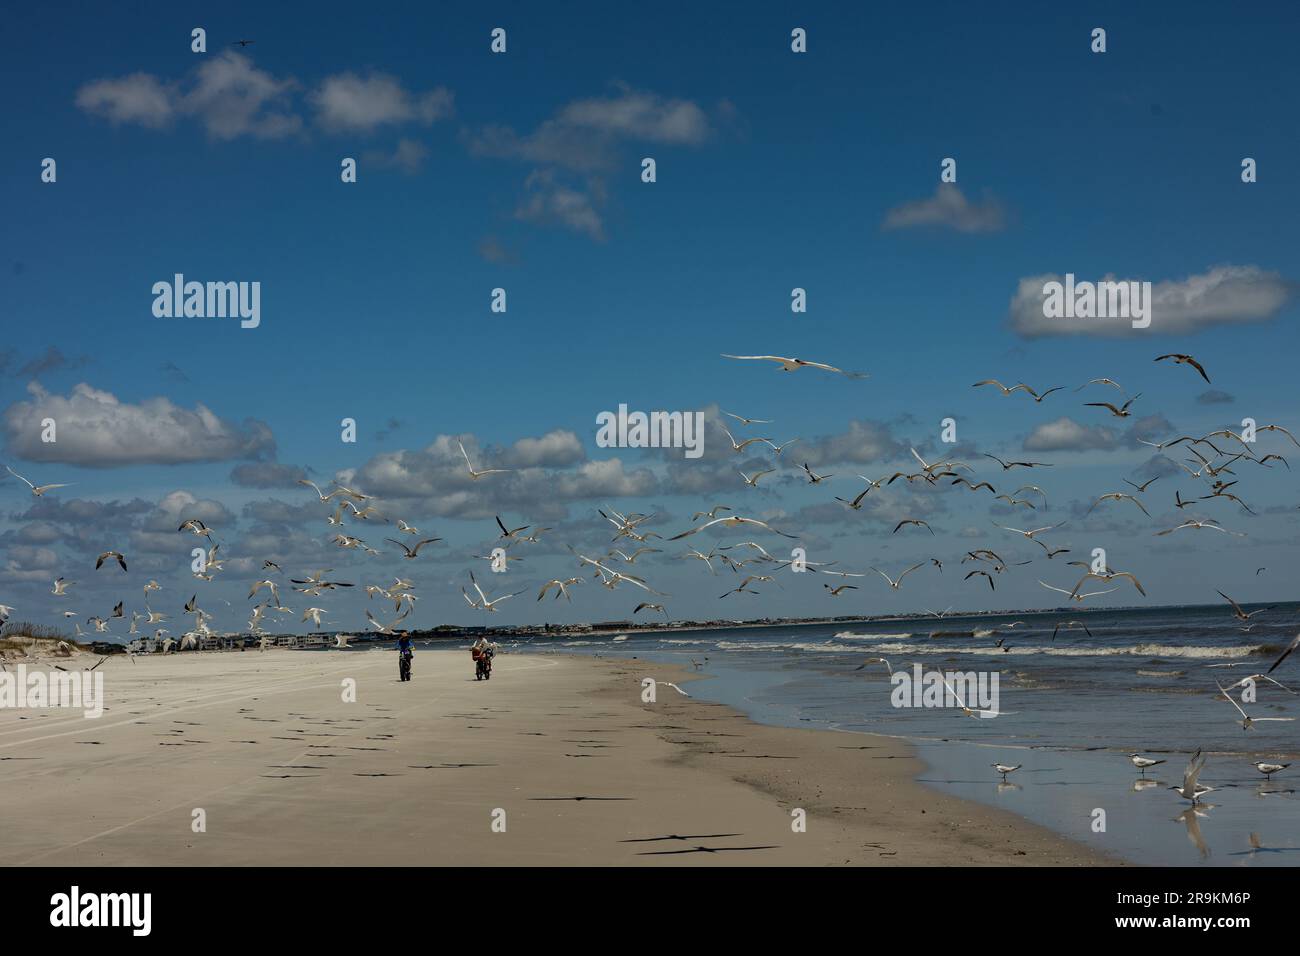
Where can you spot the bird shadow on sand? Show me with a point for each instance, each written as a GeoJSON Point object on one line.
{"type": "Point", "coordinates": [580, 798]}
{"type": "Point", "coordinates": [689, 836]}
{"type": "Point", "coordinates": [707, 849]}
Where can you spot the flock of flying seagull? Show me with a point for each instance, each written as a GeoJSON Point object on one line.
{"type": "Point", "coordinates": [1216, 455]}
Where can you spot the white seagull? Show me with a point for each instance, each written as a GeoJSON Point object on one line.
{"type": "Point", "coordinates": [1268, 769]}
{"type": "Point", "coordinates": [794, 364]}
{"type": "Point", "coordinates": [486, 605]}
{"type": "Point", "coordinates": [37, 490]}
{"type": "Point", "coordinates": [1248, 722]}
{"type": "Point", "coordinates": [895, 583]}
{"type": "Point", "coordinates": [1191, 790]}
{"type": "Point", "coordinates": [731, 522]}
{"type": "Point", "coordinates": [476, 475]}
{"type": "Point", "coordinates": [1142, 762]}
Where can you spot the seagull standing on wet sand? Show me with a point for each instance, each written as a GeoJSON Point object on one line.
{"type": "Point", "coordinates": [1142, 762]}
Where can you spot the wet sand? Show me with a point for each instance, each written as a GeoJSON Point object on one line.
{"type": "Point", "coordinates": [560, 752]}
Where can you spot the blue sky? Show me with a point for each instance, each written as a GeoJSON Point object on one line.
{"type": "Point", "coordinates": [521, 171]}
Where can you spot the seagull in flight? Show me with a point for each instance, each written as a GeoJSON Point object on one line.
{"type": "Point", "coordinates": [731, 521]}
{"type": "Point", "coordinates": [561, 587]}
{"type": "Point", "coordinates": [706, 558]}
{"type": "Point", "coordinates": [1191, 790]}
{"type": "Point", "coordinates": [1008, 465]}
{"type": "Point", "coordinates": [386, 628]}
{"type": "Point", "coordinates": [1285, 654]}
{"type": "Point", "coordinates": [111, 554]}
{"type": "Point", "coordinates": [1118, 496]}
{"type": "Point", "coordinates": [749, 421]}
{"type": "Point", "coordinates": [319, 493]}
{"type": "Point", "coordinates": [196, 526]}
{"type": "Point", "coordinates": [835, 592]}
{"type": "Point", "coordinates": [813, 478]}
{"type": "Point", "coordinates": [1005, 390]}
{"type": "Point", "coordinates": [916, 521]}
{"type": "Point", "coordinates": [1120, 412]}
{"type": "Point", "coordinates": [476, 475]}
{"type": "Point", "coordinates": [1278, 428]}
{"type": "Point", "coordinates": [485, 605]}
{"type": "Point", "coordinates": [794, 364]}
{"type": "Point", "coordinates": [415, 551]}
{"type": "Point", "coordinates": [1185, 360]}
{"type": "Point", "coordinates": [1237, 612]}
{"type": "Point", "coordinates": [1076, 597]}
{"type": "Point", "coordinates": [738, 447]}
{"type": "Point", "coordinates": [1108, 576]}
{"type": "Point", "coordinates": [37, 490]}
{"type": "Point", "coordinates": [751, 480]}
{"type": "Point", "coordinates": [782, 447]}
{"type": "Point", "coordinates": [1198, 523]}
{"type": "Point", "coordinates": [1248, 722]}
{"type": "Point", "coordinates": [1142, 487]}
{"type": "Point", "coordinates": [1100, 381]}
{"type": "Point", "coordinates": [1251, 678]}
{"type": "Point", "coordinates": [270, 586]}
{"type": "Point", "coordinates": [1029, 534]}
{"type": "Point", "coordinates": [895, 583]}
{"type": "Point", "coordinates": [973, 712]}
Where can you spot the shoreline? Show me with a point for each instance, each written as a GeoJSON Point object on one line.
{"type": "Point", "coordinates": [460, 632]}
{"type": "Point", "coordinates": [562, 749]}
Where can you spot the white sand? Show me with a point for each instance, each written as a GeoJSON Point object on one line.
{"type": "Point", "coordinates": [288, 773]}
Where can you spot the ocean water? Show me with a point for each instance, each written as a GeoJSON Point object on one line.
{"type": "Point", "coordinates": [1072, 709]}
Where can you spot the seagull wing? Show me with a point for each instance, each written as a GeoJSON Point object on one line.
{"type": "Point", "coordinates": [1285, 654]}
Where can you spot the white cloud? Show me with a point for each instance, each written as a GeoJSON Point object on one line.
{"type": "Point", "coordinates": [1225, 295]}
{"type": "Point", "coordinates": [231, 98]}
{"type": "Point", "coordinates": [227, 94]}
{"type": "Point", "coordinates": [639, 115]}
{"type": "Point", "coordinates": [554, 449]}
{"type": "Point", "coordinates": [549, 201]}
{"type": "Point", "coordinates": [585, 138]}
{"type": "Point", "coordinates": [157, 533]}
{"type": "Point", "coordinates": [96, 430]}
{"type": "Point", "coordinates": [138, 98]}
{"type": "Point", "coordinates": [408, 156]}
{"type": "Point", "coordinates": [584, 134]}
{"type": "Point", "coordinates": [546, 474]}
{"type": "Point", "coordinates": [1065, 434]}
{"type": "Point", "coordinates": [859, 444]}
{"type": "Point", "coordinates": [351, 103]}
{"type": "Point", "coordinates": [947, 208]}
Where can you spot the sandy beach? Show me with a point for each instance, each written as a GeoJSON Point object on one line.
{"type": "Point", "coordinates": [286, 772]}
